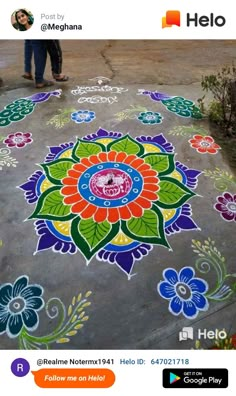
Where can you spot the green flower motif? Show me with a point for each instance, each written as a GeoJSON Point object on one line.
{"type": "Point", "coordinates": [149, 117]}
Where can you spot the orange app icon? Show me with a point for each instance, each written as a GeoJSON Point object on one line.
{"type": "Point", "coordinates": [172, 18]}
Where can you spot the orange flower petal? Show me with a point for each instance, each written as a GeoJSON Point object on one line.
{"type": "Point", "coordinates": [212, 150]}
{"type": "Point", "coordinates": [79, 206]}
{"type": "Point", "coordinates": [149, 195]}
{"type": "Point", "coordinates": [72, 199]}
{"type": "Point", "coordinates": [148, 173]}
{"type": "Point", "coordinates": [112, 155]}
{"type": "Point", "coordinates": [88, 212]}
{"type": "Point", "coordinates": [113, 215]}
{"type": "Point", "coordinates": [100, 215]}
{"type": "Point", "coordinates": [86, 162]}
{"type": "Point", "coordinates": [202, 150]}
{"type": "Point", "coordinates": [144, 203]}
{"type": "Point", "coordinates": [208, 139]}
{"type": "Point", "coordinates": [69, 190]}
{"type": "Point", "coordinates": [137, 162]}
{"type": "Point", "coordinates": [120, 157]}
{"type": "Point", "coordinates": [144, 167]}
{"type": "Point", "coordinates": [103, 157]}
{"type": "Point", "coordinates": [198, 137]}
{"type": "Point", "coordinates": [73, 173]}
{"type": "Point", "coordinates": [94, 159]}
{"type": "Point", "coordinates": [125, 214]}
{"type": "Point", "coordinates": [80, 167]}
{"type": "Point", "coordinates": [153, 180]}
{"type": "Point", "coordinates": [130, 158]}
{"type": "Point", "coordinates": [135, 209]}
{"type": "Point", "coordinates": [151, 187]}
{"type": "Point", "coordinates": [69, 181]}
{"type": "Point", "coordinates": [215, 146]}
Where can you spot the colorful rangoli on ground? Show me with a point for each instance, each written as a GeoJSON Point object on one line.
{"type": "Point", "coordinates": [111, 197]}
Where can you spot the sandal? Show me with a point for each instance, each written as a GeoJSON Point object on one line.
{"type": "Point", "coordinates": [60, 78]}
{"type": "Point", "coordinates": [27, 76]}
{"type": "Point", "coordinates": [45, 83]}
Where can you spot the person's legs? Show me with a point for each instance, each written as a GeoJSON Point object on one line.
{"type": "Point", "coordinates": [55, 53]}
{"type": "Point", "coordinates": [28, 53]}
{"type": "Point", "coordinates": [40, 57]}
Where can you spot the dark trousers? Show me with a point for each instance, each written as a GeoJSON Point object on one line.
{"type": "Point", "coordinates": [55, 53]}
{"type": "Point", "coordinates": [38, 48]}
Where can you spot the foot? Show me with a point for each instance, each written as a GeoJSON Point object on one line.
{"type": "Point", "coordinates": [44, 83]}
{"type": "Point", "coordinates": [27, 76]}
{"type": "Point", "coordinates": [60, 77]}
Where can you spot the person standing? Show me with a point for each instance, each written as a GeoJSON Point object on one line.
{"type": "Point", "coordinates": [54, 50]}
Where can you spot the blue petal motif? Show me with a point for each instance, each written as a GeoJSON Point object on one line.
{"type": "Point", "coordinates": [191, 175]}
{"type": "Point", "coordinates": [102, 133]}
{"type": "Point", "coordinates": [198, 285]}
{"type": "Point", "coordinates": [36, 303]}
{"type": "Point", "coordinates": [200, 301]}
{"type": "Point", "coordinates": [19, 285]}
{"type": "Point", "coordinates": [186, 274]}
{"type": "Point", "coordinates": [189, 309]}
{"type": "Point", "coordinates": [4, 317]}
{"type": "Point", "coordinates": [14, 325]}
{"type": "Point", "coordinates": [171, 276]}
{"type": "Point", "coordinates": [159, 140]}
{"type": "Point", "coordinates": [30, 187]}
{"type": "Point", "coordinates": [30, 319]}
{"type": "Point", "coordinates": [48, 240]}
{"type": "Point", "coordinates": [125, 260]}
{"type": "Point", "coordinates": [54, 151]}
{"type": "Point", "coordinates": [175, 306]}
{"type": "Point", "coordinates": [5, 294]}
{"type": "Point", "coordinates": [32, 291]}
{"type": "Point", "coordinates": [166, 290]}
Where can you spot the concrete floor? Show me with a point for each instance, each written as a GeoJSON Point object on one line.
{"type": "Point", "coordinates": [124, 314]}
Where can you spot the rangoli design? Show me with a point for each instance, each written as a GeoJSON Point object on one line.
{"type": "Point", "coordinates": [18, 139]}
{"type": "Point", "coordinates": [150, 118]}
{"type": "Point", "coordinates": [226, 205]}
{"type": "Point", "coordinates": [111, 196]}
{"type": "Point", "coordinates": [222, 179]}
{"type": "Point", "coordinates": [176, 104]}
{"type": "Point", "coordinates": [20, 304]}
{"type": "Point", "coordinates": [204, 144]}
{"type": "Point", "coordinates": [81, 116]}
{"type": "Point", "coordinates": [187, 293]}
{"type": "Point", "coordinates": [62, 118]}
{"type": "Point", "coordinates": [20, 108]}
{"type": "Point", "coordinates": [5, 159]}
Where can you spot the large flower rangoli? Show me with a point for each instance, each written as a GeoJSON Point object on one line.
{"type": "Point", "coordinates": [111, 196]}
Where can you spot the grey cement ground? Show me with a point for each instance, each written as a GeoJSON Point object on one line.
{"type": "Point", "coordinates": [124, 314]}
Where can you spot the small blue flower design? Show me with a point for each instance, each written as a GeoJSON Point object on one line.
{"type": "Point", "coordinates": [83, 116]}
{"type": "Point", "coordinates": [19, 303]}
{"type": "Point", "coordinates": [184, 291]}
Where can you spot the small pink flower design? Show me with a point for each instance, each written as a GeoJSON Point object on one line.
{"type": "Point", "coordinates": [18, 139]}
{"type": "Point", "coordinates": [226, 205]}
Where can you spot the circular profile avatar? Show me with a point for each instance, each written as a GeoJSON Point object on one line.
{"type": "Point", "coordinates": [22, 19]}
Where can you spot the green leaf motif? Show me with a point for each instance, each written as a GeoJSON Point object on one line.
{"type": "Point", "coordinates": [149, 228]}
{"type": "Point", "coordinates": [94, 232]}
{"type": "Point", "coordinates": [163, 163]}
{"type": "Point", "coordinates": [147, 225]}
{"type": "Point", "coordinates": [127, 145]}
{"type": "Point", "coordinates": [57, 170]}
{"type": "Point", "coordinates": [50, 206]}
{"type": "Point", "coordinates": [90, 244]}
{"type": "Point", "coordinates": [172, 193]}
{"type": "Point", "coordinates": [84, 149]}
